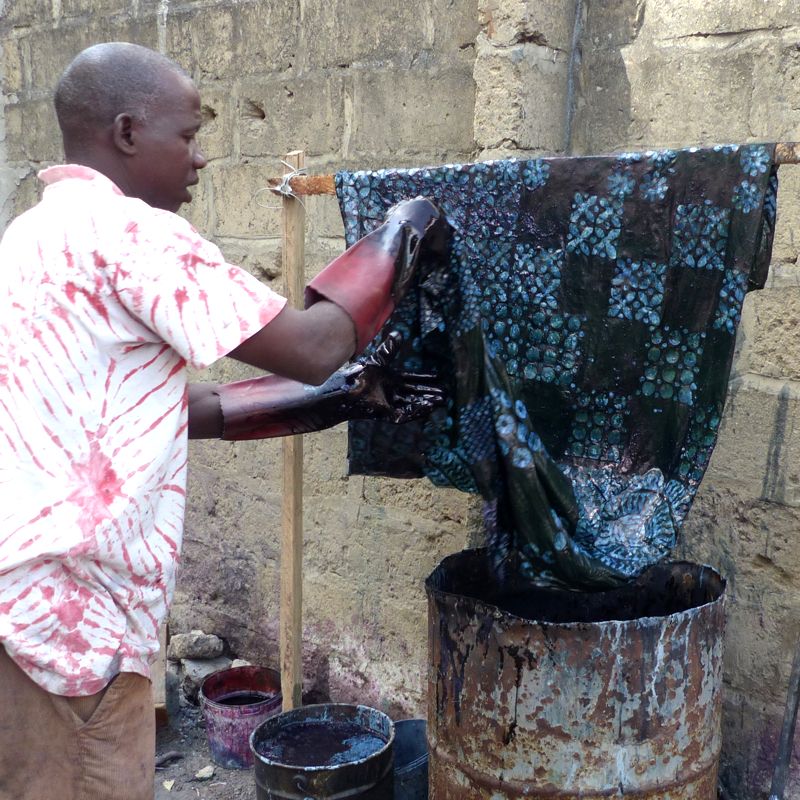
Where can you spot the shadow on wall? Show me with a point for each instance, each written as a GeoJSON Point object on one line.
{"type": "Point", "coordinates": [602, 112]}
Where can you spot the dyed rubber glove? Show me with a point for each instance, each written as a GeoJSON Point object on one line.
{"type": "Point", "coordinates": [262, 408]}
{"type": "Point", "coordinates": [372, 276]}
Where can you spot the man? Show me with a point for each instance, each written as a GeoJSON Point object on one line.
{"type": "Point", "coordinates": [105, 297]}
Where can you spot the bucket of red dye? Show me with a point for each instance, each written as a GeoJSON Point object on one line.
{"type": "Point", "coordinates": [325, 752]}
{"type": "Point", "coordinates": [235, 702]}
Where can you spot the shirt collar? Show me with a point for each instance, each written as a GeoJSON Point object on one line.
{"type": "Point", "coordinates": [61, 172]}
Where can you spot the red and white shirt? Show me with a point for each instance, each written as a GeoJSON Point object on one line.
{"type": "Point", "coordinates": [104, 301]}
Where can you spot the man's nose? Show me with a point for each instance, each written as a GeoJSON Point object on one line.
{"type": "Point", "coordinates": [199, 160]}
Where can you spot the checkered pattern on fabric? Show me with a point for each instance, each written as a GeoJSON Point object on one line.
{"type": "Point", "coordinates": [604, 293]}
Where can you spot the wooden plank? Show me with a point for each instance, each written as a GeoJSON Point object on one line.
{"type": "Point", "coordinates": [308, 184]}
{"type": "Point", "coordinates": [158, 675]}
{"type": "Point", "coordinates": [291, 616]}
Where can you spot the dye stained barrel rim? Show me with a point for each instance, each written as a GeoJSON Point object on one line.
{"type": "Point", "coordinates": [367, 778]}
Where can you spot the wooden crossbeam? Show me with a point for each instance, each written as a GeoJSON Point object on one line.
{"type": "Point", "coordinates": [304, 185]}
{"type": "Point", "coordinates": [787, 153]}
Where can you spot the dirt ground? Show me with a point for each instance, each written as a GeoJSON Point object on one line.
{"type": "Point", "coordinates": [182, 751]}
{"type": "Point", "coordinates": [184, 737]}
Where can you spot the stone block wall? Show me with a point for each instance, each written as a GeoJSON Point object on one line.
{"type": "Point", "coordinates": [521, 73]}
{"type": "Point", "coordinates": [366, 84]}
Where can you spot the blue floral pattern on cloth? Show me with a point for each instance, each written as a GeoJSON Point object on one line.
{"type": "Point", "coordinates": [541, 273]}
{"type": "Point", "coordinates": [599, 426]}
{"type": "Point", "coordinates": [594, 226]}
{"type": "Point", "coordinates": [748, 197]}
{"type": "Point", "coordinates": [623, 516]}
{"type": "Point", "coordinates": [584, 322]}
{"type": "Point", "coordinates": [655, 183]}
{"type": "Point", "coordinates": [673, 364]}
{"type": "Point", "coordinates": [756, 160]}
{"type": "Point", "coordinates": [637, 291]}
{"type": "Point", "coordinates": [535, 173]}
{"type": "Point", "coordinates": [699, 444]}
{"type": "Point", "coordinates": [731, 298]}
{"type": "Point", "coordinates": [700, 236]}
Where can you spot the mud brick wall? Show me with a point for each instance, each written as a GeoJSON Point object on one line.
{"type": "Point", "coordinates": [367, 84]}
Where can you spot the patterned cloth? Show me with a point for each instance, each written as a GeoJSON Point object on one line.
{"type": "Point", "coordinates": [103, 301]}
{"type": "Point", "coordinates": [587, 323]}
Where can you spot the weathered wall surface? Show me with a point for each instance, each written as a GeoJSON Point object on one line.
{"type": "Point", "coordinates": [681, 72]}
{"type": "Point", "coordinates": [522, 68]}
{"type": "Point", "coordinates": [363, 84]}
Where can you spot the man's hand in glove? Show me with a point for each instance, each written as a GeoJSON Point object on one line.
{"type": "Point", "coordinates": [262, 408]}
{"type": "Point", "coordinates": [374, 390]}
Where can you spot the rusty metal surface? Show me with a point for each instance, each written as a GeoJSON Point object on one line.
{"type": "Point", "coordinates": [626, 707]}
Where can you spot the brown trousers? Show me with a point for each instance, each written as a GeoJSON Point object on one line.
{"type": "Point", "coordinates": [100, 747]}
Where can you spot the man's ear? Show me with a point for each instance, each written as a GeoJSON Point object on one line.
{"type": "Point", "coordinates": [122, 134]}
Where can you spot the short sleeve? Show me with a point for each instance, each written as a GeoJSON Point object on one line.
{"type": "Point", "coordinates": [179, 285]}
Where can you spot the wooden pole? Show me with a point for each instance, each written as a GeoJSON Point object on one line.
{"type": "Point", "coordinates": [291, 619]}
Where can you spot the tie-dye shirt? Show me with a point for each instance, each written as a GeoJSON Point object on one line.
{"type": "Point", "coordinates": [104, 301]}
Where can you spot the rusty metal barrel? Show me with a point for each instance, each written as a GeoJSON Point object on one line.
{"type": "Point", "coordinates": [549, 694]}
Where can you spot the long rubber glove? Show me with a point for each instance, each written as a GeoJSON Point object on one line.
{"type": "Point", "coordinates": [262, 408]}
{"type": "Point", "coordinates": [372, 276]}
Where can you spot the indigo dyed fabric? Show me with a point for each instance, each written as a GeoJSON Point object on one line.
{"type": "Point", "coordinates": [586, 326]}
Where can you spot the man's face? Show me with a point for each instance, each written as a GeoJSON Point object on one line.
{"type": "Point", "coordinates": [168, 156]}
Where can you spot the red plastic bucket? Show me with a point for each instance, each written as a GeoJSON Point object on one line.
{"type": "Point", "coordinates": [235, 702]}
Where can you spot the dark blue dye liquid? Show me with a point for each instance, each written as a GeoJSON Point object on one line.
{"type": "Point", "coordinates": [320, 743]}
{"type": "Point", "coordinates": [245, 698]}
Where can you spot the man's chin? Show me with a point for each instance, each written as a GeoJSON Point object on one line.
{"type": "Point", "coordinates": [176, 205]}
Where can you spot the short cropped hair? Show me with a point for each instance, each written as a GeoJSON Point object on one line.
{"type": "Point", "coordinates": [106, 80]}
